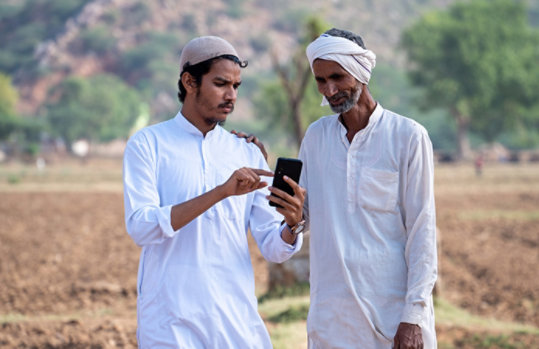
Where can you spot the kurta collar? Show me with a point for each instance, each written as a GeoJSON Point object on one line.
{"type": "Point", "coordinates": [375, 116]}
{"type": "Point", "coordinates": [187, 126]}
{"type": "Point", "coordinates": [364, 134]}
{"type": "Point", "coordinates": [373, 120]}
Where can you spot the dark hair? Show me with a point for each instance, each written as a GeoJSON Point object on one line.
{"type": "Point", "coordinates": [200, 69]}
{"type": "Point", "coordinates": [347, 35]}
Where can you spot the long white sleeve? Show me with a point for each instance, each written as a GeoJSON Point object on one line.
{"type": "Point", "coordinates": [147, 222]}
{"type": "Point", "coordinates": [420, 223]}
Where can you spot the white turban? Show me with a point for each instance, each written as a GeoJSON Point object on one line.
{"type": "Point", "coordinates": [356, 60]}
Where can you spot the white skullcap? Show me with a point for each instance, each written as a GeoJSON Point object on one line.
{"type": "Point", "coordinates": [203, 48]}
{"type": "Point", "coordinates": [356, 60]}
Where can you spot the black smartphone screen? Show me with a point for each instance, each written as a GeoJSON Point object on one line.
{"type": "Point", "coordinates": [286, 167]}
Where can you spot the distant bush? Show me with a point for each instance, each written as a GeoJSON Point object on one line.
{"type": "Point", "coordinates": [292, 314]}
{"type": "Point", "coordinates": [8, 124]}
{"type": "Point", "coordinates": [235, 8]}
{"type": "Point", "coordinates": [260, 43]}
{"type": "Point", "coordinates": [111, 17]}
{"type": "Point", "coordinates": [101, 108]}
{"type": "Point", "coordinates": [28, 23]}
{"type": "Point", "coordinates": [189, 24]}
{"type": "Point", "coordinates": [291, 21]}
{"type": "Point", "coordinates": [96, 39]}
{"type": "Point", "coordinates": [298, 289]}
{"type": "Point", "coordinates": [13, 179]}
{"type": "Point", "coordinates": [137, 13]}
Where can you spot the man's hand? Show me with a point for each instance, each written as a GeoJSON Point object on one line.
{"type": "Point", "coordinates": [252, 139]}
{"type": "Point", "coordinates": [408, 337]}
{"type": "Point", "coordinates": [244, 180]}
{"type": "Point", "coordinates": [292, 206]}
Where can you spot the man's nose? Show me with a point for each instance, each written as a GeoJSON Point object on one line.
{"type": "Point", "coordinates": [330, 90]}
{"type": "Point", "coordinates": [231, 94]}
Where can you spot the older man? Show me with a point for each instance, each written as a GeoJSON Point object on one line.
{"type": "Point", "coordinates": [191, 192]}
{"type": "Point", "coordinates": [370, 206]}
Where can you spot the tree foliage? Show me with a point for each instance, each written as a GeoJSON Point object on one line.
{"type": "Point", "coordinates": [479, 61]}
{"type": "Point", "coordinates": [291, 101]}
{"type": "Point", "coordinates": [391, 86]}
{"type": "Point", "coordinates": [151, 67]}
{"type": "Point", "coordinates": [97, 40]}
{"type": "Point", "coordinates": [8, 101]}
{"type": "Point", "coordinates": [101, 108]}
{"type": "Point", "coordinates": [24, 24]}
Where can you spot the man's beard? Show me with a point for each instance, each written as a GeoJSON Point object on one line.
{"type": "Point", "coordinates": [209, 120]}
{"type": "Point", "coordinates": [348, 103]}
{"type": "Point", "coordinates": [212, 121]}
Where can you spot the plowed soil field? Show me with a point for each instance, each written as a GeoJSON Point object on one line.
{"type": "Point", "coordinates": [68, 269]}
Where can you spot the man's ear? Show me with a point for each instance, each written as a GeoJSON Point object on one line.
{"type": "Point", "coordinates": [189, 82]}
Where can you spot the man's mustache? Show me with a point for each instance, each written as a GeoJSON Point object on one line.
{"type": "Point", "coordinates": [227, 105]}
{"type": "Point", "coordinates": [337, 96]}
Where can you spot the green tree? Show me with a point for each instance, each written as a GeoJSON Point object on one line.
{"type": "Point", "coordinates": [292, 101]}
{"type": "Point", "coordinates": [8, 101]}
{"type": "Point", "coordinates": [26, 23]}
{"type": "Point", "coordinates": [101, 108]}
{"type": "Point", "coordinates": [97, 40]}
{"type": "Point", "coordinates": [478, 61]}
{"type": "Point", "coordinates": [391, 86]}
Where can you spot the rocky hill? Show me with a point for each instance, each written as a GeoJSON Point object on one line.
{"type": "Point", "coordinates": [103, 36]}
{"type": "Point", "coordinates": [254, 27]}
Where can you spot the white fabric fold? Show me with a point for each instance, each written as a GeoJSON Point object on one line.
{"type": "Point", "coordinates": [356, 60]}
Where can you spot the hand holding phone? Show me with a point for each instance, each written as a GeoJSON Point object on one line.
{"type": "Point", "coordinates": [286, 167]}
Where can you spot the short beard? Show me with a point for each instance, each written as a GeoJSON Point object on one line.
{"type": "Point", "coordinates": [210, 121]}
{"type": "Point", "coordinates": [349, 103]}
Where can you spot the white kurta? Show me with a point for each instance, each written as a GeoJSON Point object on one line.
{"type": "Point", "coordinates": [373, 232]}
{"type": "Point", "coordinates": [196, 284]}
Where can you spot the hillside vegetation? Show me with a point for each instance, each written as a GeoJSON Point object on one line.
{"type": "Point", "coordinates": [44, 43]}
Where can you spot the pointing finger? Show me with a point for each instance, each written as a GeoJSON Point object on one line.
{"type": "Point", "coordinates": [261, 172]}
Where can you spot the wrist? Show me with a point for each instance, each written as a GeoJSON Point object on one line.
{"type": "Point", "coordinates": [297, 228]}
{"type": "Point", "coordinates": [287, 235]}
{"type": "Point", "coordinates": [221, 192]}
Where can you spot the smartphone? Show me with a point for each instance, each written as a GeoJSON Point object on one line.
{"type": "Point", "coordinates": [286, 167]}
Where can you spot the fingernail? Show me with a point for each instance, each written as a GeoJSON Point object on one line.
{"type": "Point", "coordinates": [285, 177]}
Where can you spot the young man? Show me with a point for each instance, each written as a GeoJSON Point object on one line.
{"type": "Point", "coordinates": [192, 190]}
{"type": "Point", "coordinates": [369, 178]}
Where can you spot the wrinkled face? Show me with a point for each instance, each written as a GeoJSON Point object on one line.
{"type": "Point", "coordinates": [340, 88]}
{"type": "Point", "coordinates": [218, 90]}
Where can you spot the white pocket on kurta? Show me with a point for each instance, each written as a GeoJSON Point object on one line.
{"type": "Point", "coordinates": [378, 189]}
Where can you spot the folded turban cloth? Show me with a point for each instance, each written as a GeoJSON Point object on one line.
{"type": "Point", "coordinates": [356, 60]}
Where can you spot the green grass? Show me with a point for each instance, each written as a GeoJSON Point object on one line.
{"type": "Point", "coordinates": [298, 289]}
{"type": "Point", "coordinates": [285, 318]}
{"type": "Point", "coordinates": [286, 321]}
{"type": "Point", "coordinates": [494, 341]}
{"type": "Point", "coordinates": [291, 336]}
{"type": "Point", "coordinates": [451, 315]}
{"type": "Point", "coordinates": [275, 306]}
{"type": "Point", "coordinates": [296, 313]}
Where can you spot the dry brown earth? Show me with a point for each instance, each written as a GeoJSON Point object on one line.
{"type": "Point", "coordinates": [68, 269]}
